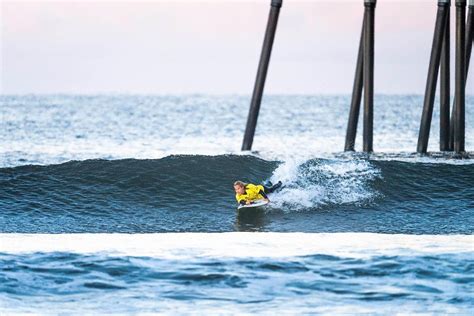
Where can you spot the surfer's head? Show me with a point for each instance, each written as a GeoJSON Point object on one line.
{"type": "Point", "coordinates": [239, 187]}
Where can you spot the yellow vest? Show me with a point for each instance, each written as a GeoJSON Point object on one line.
{"type": "Point", "coordinates": [251, 193]}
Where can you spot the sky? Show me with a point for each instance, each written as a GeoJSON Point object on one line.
{"type": "Point", "coordinates": [209, 47]}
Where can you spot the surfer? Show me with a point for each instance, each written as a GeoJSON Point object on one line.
{"type": "Point", "coordinates": [246, 193]}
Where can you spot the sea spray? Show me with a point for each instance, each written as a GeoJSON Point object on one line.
{"type": "Point", "coordinates": [316, 182]}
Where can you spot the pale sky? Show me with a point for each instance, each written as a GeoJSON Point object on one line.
{"type": "Point", "coordinates": [162, 47]}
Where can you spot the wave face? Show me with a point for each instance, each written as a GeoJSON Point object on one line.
{"type": "Point", "coordinates": [195, 194]}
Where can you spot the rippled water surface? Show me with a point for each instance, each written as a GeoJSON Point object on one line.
{"type": "Point", "coordinates": [109, 164]}
{"type": "Point", "coordinates": [244, 273]}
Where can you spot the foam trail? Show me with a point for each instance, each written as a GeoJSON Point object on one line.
{"type": "Point", "coordinates": [310, 183]}
{"type": "Point", "coordinates": [238, 245]}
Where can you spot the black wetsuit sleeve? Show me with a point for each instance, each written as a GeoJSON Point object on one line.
{"type": "Point", "coordinates": [242, 202]}
{"type": "Point", "coordinates": [263, 194]}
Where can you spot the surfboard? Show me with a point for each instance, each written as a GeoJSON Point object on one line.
{"type": "Point", "coordinates": [257, 203]}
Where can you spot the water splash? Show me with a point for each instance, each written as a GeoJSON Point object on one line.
{"type": "Point", "coordinates": [318, 182]}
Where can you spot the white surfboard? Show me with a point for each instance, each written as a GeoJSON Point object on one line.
{"type": "Point", "coordinates": [254, 204]}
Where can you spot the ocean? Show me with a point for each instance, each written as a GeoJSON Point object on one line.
{"type": "Point", "coordinates": [125, 204]}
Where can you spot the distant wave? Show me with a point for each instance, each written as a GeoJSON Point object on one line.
{"type": "Point", "coordinates": [53, 129]}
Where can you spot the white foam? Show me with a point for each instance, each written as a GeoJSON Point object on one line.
{"type": "Point", "coordinates": [238, 245]}
{"type": "Point", "coordinates": [335, 181]}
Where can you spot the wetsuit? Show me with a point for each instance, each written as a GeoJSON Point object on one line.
{"type": "Point", "coordinates": [255, 192]}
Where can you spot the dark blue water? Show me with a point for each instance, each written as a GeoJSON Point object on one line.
{"type": "Point", "coordinates": [309, 283]}
{"type": "Point", "coordinates": [195, 194]}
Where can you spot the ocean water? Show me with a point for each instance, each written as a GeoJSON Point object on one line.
{"type": "Point", "coordinates": [124, 204]}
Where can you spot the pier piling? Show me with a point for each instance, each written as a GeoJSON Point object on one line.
{"type": "Point", "coordinates": [468, 49]}
{"type": "Point", "coordinates": [460, 76]}
{"type": "Point", "coordinates": [469, 35]}
{"type": "Point", "coordinates": [261, 74]}
{"type": "Point", "coordinates": [440, 29]}
{"type": "Point", "coordinates": [356, 96]}
{"type": "Point", "coordinates": [445, 89]}
{"type": "Point", "coordinates": [368, 74]}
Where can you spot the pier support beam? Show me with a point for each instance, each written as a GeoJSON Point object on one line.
{"type": "Point", "coordinates": [356, 96]}
{"type": "Point", "coordinates": [445, 89]}
{"type": "Point", "coordinates": [440, 29]}
{"type": "Point", "coordinates": [368, 74]}
{"type": "Point", "coordinates": [261, 74]}
{"type": "Point", "coordinates": [469, 35]}
{"type": "Point", "coordinates": [460, 77]}
{"type": "Point", "coordinates": [469, 38]}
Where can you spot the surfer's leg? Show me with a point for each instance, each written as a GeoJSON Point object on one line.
{"type": "Point", "coordinates": [273, 187]}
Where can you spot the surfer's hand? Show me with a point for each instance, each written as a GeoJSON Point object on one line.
{"type": "Point", "coordinates": [248, 202]}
